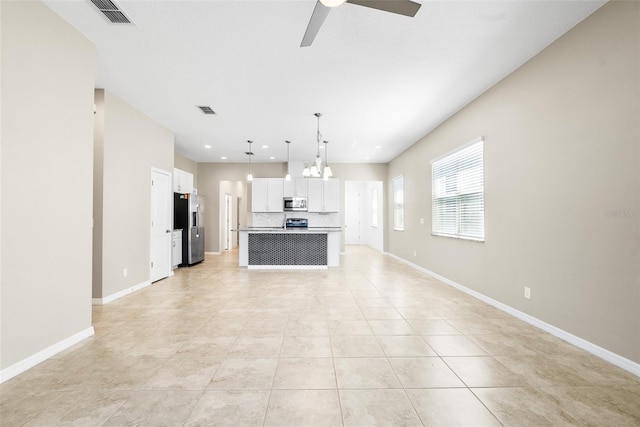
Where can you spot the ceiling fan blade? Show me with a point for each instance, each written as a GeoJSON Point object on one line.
{"type": "Point", "coordinates": [320, 13]}
{"type": "Point", "coordinates": [401, 7]}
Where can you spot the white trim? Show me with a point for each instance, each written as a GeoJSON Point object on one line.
{"type": "Point", "coordinates": [212, 253]}
{"type": "Point", "coordinates": [458, 237]}
{"type": "Point", "coordinates": [596, 350]}
{"type": "Point", "coordinates": [287, 267]}
{"type": "Point", "coordinates": [120, 294]}
{"type": "Point", "coordinates": [41, 356]}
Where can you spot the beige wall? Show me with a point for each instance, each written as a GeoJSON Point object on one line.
{"type": "Point", "coordinates": [187, 165]}
{"type": "Point", "coordinates": [133, 144]}
{"type": "Point", "coordinates": [48, 72]}
{"type": "Point", "coordinates": [562, 152]}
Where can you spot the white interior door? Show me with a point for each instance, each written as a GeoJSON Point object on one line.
{"type": "Point", "coordinates": [161, 225]}
{"type": "Point", "coordinates": [352, 217]}
{"type": "Point", "coordinates": [238, 215]}
{"type": "Point", "coordinates": [228, 222]}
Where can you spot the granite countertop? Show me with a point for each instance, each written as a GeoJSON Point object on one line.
{"type": "Point", "coordinates": [291, 230]}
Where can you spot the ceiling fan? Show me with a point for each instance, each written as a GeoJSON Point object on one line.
{"type": "Point", "coordinates": [320, 12]}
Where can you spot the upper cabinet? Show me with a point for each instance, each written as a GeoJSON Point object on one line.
{"type": "Point", "coordinates": [182, 181]}
{"type": "Point", "coordinates": [266, 195]}
{"type": "Point", "coordinates": [331, 195]}
{"type": "Point", "coordinates": [324, 195]}
{"type": "Point", "coordinates": [296, 187]}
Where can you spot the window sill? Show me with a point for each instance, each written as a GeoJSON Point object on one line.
{"type": "Point", "coordinates": [398, 229]}
{"type": "Point", "coordinates": [449, 236]}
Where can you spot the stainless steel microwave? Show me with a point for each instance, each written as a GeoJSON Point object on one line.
{"type": "Point", "coordinates": [297, 204]}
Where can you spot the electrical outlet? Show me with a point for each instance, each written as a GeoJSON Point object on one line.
{"type": "Point", "coordinates": [422, 221]}
{"type": "Point", "coordinates": [124, 272]}
{"type": "Point", "coordinates": [527, 292]}
{"type": "Point", "coordinates": [415, 254]}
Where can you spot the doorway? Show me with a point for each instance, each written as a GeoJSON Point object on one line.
{"type": "Point", "coordinates": [231, 214]}
{"type": "Point", "coordinates": [363, 213]}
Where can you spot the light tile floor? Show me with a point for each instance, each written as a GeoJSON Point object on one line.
{"type": "Point", "coordinates": [373, 342]}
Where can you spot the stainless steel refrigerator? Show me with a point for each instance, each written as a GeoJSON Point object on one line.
{"type": "Point", "coordinates": [188, 212]}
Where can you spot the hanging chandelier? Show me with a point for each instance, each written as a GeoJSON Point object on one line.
{"type": "Point", "coordinates": [249, 153]}
{"type": "Point", "coordinates": [316, 169]}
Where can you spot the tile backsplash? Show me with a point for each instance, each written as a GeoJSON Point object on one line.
{"type": "Point", "coordinates": [269, 219]}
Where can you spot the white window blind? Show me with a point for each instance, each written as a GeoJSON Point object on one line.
{"type": "Point", "coordinates": [458, 193]}
{"type": "Point", "coordinates": [398, 203]}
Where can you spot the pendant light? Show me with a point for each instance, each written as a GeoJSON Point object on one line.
{"type": "Point", "coordinates": [314, 170]}
{"type": "Point", "coordinates": [250, 153]}
{"type": "Point", "coordinates": [287, 177]}
{"type": "Point", "coordinates": [327, 173]}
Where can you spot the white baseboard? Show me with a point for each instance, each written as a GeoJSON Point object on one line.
{"type": "Point", "coordinates": [287, 267]}
{"type": "Point", "coordinates": [41, 356]}
{"type": "Point", "coordinates": [120, 294]}
{"type": "Point", "coordinates": [212, 253]}
{"type": "Point", "coordinates": [609, 356]}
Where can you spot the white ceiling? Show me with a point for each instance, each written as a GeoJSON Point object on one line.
{"type": "Point", "coordinates": [382, 81]}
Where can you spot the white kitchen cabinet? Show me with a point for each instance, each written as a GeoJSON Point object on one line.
{"type": "Point", "coordinates": [315, 198]}
{"type": "Point", "coordinates": [324, 196]}
{"type": "Point", "coordinates": [297, 187]}
{"type": "Point", "coordinates": [266, 195]}
{"type": "Point", "coordinates": [331, 195]}
{"type": "Point", "coordinates": [182, 181]}
{"type": "Point", "coordinates": [259, 195]}
{"type": "Point", "coordinates": [176, 248]}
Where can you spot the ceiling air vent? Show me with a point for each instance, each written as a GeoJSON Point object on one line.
{"type": "Point", "coordinates": [205, 109]}
{"type": "Point", "coordinates": [111, 11]}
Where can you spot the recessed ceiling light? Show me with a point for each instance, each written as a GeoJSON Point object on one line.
{"type": "Point", "coordinates": [224, 157]}
{"type": "Point", "coordinates": [207, 146]}
{"type": "Point", "coordinates": [272, 158]}
{"type": "Point", "coordinates": [265, 146]}
{"type": "Point", "coordinates": [367, 158]}
{"type": "Point", "coordinates": [378, 146]}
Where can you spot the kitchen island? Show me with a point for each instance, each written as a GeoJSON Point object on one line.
{"type": "Point", "coordinates": [290, 248]}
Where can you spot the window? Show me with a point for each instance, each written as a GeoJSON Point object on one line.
{"type": "Point", "coordinates": [398, 203]}
{"type": "Point", "coordinates": [458, 193]}
{"type": "Point", "coordinates": [374, 207]}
